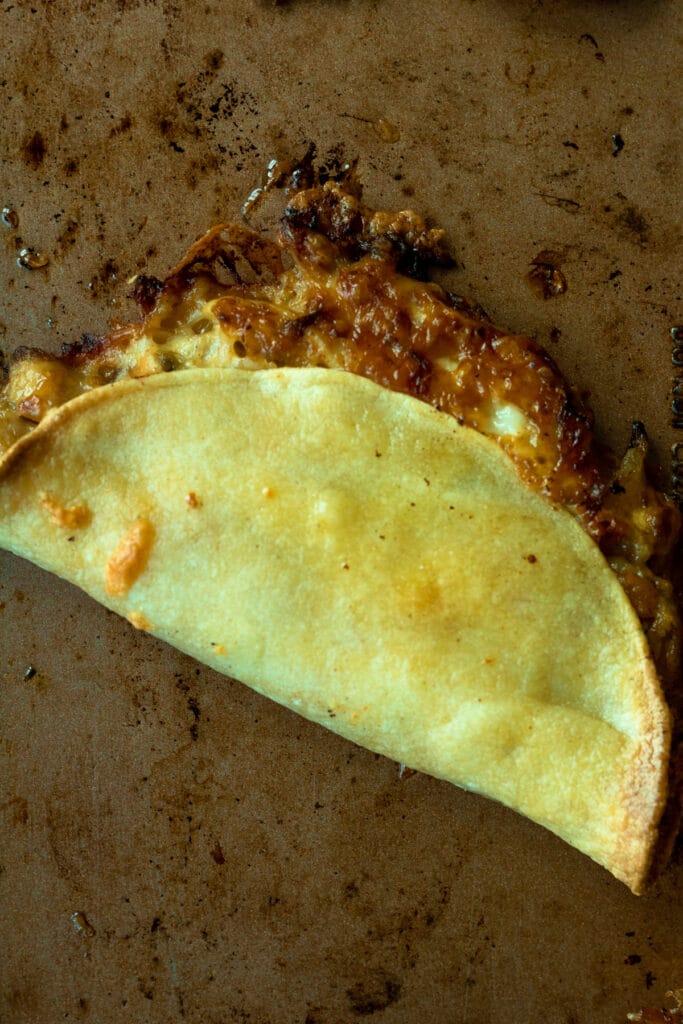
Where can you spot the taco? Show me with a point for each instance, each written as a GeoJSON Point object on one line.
{"type": "Point", "coordinates": [328, 478]}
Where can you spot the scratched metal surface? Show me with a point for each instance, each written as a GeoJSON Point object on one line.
{"type": "Point", "coordinates": [230, 862]}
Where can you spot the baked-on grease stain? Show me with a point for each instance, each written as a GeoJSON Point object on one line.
{"type": "Point", "coordinates": [9, 218]}
{"type": "Point", "coordinates": [217, 853]}
{"type": "Point", "coordinates": [562, 202]}
{"type": "Point", "coordinates": [677, 412]}
{"type": "Point", "coordinates": [387, 131]}
{"type": "Point", "coordinates": [545, 277]}
{"type": "Point", "coordinates": [32, 259]}
{"type": "Point", "coordinates": [104, 277]}
{"type": "Point", "coordinates": [34, 150]}
{"type": "Point", "coordinates": [82, 925]}
{"type": "Point", "coordinates": [373, 995]}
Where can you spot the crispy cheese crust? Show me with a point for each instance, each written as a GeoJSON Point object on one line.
{"type": "Point", "coordinates": [342, 287]}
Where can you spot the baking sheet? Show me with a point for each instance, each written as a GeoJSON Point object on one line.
{"type": "Point", "coordinates": [175, 847]}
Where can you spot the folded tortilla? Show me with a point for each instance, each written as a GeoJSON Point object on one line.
{"type": "Point", "coordinates": [366, 561]}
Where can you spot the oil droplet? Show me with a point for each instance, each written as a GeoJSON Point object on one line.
{"type": "Point", "coordinates": [387, 131]}
{"type": "Point", "coordinates": [10, 218]}
{"type": "Point", "coordinates": [252, 199]}
{"type": "Point", "coordinates": [277, 172]}
{"type": "Point", "coordinates": [31, 259]}
{"type": "Point", "coordinates": [82, 925]}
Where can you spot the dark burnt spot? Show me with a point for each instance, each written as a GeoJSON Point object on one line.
{"type": "Point", "coordinates": [561, 202]}
{"type": "Point", "coordinates": [155, 924]}
{"type": "Point", "coordinates": [471, 309]}
{"type": "Point", "coordinates": [103, 279]}
{"type": "Point", "coordinates": [166, 126]}
{"type": "Point", "coordinates": [419, 380]}
{"type": "Point", "coordinates": [17, 806]}
{"type": "Point", "coordinates": [78, 352]}
{"type": "Point", "coordinates": [405, 239]}
{"type": "Point", "coordinates": [373, 995]}
{"type": "Point", "coordinates": [632, 959]}
{"type": "Point", "coordinates": [215, 60]}
{"type": "Point", "coordinates": [634, 223]}
{"type": "Point", "coordinates": [146, 292]}
{"type": "Point", "coordinates": [193, 706]}
{"type": "Point", "coordinates": [122, 126]}
{"type": "Point", "coordinates": [66, 237]}
{"type": "Point", "coordinates": [294, 329]}
{"type": "Point", "coordinates": [200, 168]}
{"type": "Point", "coordinates": [34, 150]}
{"type": "Point", "coordinates": [229, 101]}
{"type": "Point", "coordinates": [71, 166]}
{"type": "Point", "coordinates": [217, 853]}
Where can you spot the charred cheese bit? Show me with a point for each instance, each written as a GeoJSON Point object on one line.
{"type": "Point", "coordinates": [130, 558]}
{"type": "Point", "coordinates": [70, 517]}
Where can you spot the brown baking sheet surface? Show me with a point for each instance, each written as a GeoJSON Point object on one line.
{"type": "Point", "coordinates": [175, 848]}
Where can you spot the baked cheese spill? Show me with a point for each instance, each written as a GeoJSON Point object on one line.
{"type": "Point", "coordinates": [342, 287]}
{"type": "Point", "coordinates": [464, 625]}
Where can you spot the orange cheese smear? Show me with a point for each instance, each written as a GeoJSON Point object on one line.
{"type": "Point", "coordinates": [69, 517]}
{"type": "Point", "coordinates": [130, 558]}
{"type": "Point", "coordinates": [139, 620]}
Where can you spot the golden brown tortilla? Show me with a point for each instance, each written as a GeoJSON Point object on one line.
{"type": "Point", "coordinates": [369, 563]}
